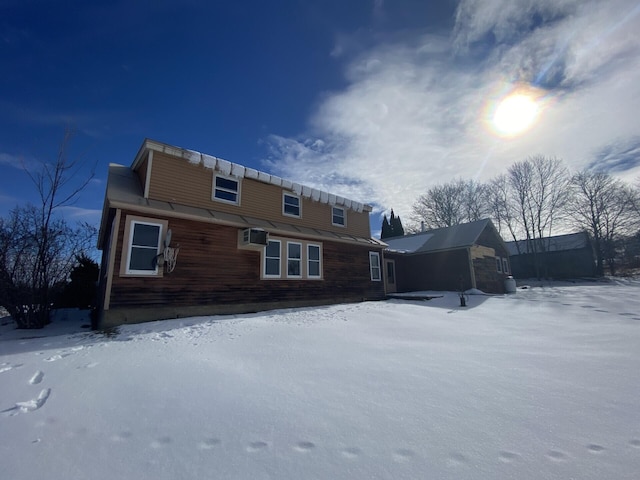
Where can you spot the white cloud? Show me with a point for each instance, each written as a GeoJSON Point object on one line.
{"type": "Point", "coordinates": [415, 112]}
{"type": "Point", "coordinates": [10, 160]}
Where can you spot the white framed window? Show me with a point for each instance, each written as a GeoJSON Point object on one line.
{"type": "Point", "coordinates": [294, 260]}
{"type": "Point", "coordinates": [144, 246]}
{"type": "Point", "coordinates": [338, 216]}
{"type": "Point", "coordinates": [374, 266]}
{"type": "Point", "coordinates": [291, 205]}
{"type": "Point", "coordinates": [226, 189]}
{"type": "Point", "coordinates": [505, 265]}
{"type": "Point", "coordinates": [272, 259]}
{"type": "Point", "coordinates": [499, 264]}
{"type": "Point", "coordinates": [314, 261]}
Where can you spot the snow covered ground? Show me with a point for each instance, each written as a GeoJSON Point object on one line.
{"type": "Point", "coordinates": [542, 384]}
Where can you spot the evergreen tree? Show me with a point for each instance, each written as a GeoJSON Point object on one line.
{"type": "Point", "coordinates": [396, 225]}
{"type": "Point", "coordinates": [386, 228]}
{"type": "Point", "coordinates": [391, 227]}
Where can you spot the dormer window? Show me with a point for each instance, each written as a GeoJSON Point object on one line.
{"type": "Point", "coordinates": [291, 205]}
{"type": "Point", "coordinates": [338, 216]}
{"type": "Point", "coordinates": [226, 189]}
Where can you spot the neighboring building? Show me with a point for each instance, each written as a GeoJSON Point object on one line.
{"type": "Point", "coordinates": [184, 233]}
{"type": "Point", "coordinates": [469, 255]}
{"type": "Point", "coordinates": [565, 256]}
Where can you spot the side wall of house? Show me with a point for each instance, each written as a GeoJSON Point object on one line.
{"type": "Point", "coordinates": [433, 271]}
{"type": "Point", "coordinates": [178, 181]}
{"type": "Point", "coordinates": [212, 275]}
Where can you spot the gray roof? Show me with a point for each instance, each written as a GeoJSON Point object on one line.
{"type": "Point", "coordinates": [449, 238]}
{"type": "Point", "coordinates": [571, 241]}
{"type": "Point", "coordinates": [124, 191]}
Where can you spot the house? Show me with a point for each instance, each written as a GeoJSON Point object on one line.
{"type": "Point", "coordinates": [184, 233]}
{"type": "Point", "coordinates": [564, 256]}
{"type": "Point", "coordinates": [469, 255]}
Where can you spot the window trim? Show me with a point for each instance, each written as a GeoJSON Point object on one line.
{"type": "Point", "coordinates": [299, 260]}
{"type": "Point", "coordinates": [264, 260]}
{"type": "Point", "coordinates": [505, 265]}
{"type": "Point", "coordinates": [129, 229]}
{"type": "Point", "coordinates": [297, 197]}
{"type": "Point", "coordinates": [284, 258]}
{"type": "Point", "coordinates": [499, 264]}
{"type": "Point", "coordinates": [344, 216]}
{"type": "Point", "coordinates": [222, 189]}
{"type": "Point", "coordinates": [308, 263]}
{"type": "Point", "coordinates": [372, 267]}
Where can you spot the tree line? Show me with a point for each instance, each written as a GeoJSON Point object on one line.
{"type": "Point", "coordinates": [44, 260]}
{"type": "Point", "coordinates": [536, 198]}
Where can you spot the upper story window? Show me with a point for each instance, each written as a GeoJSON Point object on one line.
{"type": "Point", "coordinates": [226, 189]}
{"type": "Point", "coordinates": [144, 239]}
{"type": "Point", "coordinates": [374, 266]}
{"type": "Point", "coordinates": [338, 216]}
{"type": "Point", "coordinates": [291, 205]}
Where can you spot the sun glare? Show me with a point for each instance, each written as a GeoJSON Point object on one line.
{"type": "Point", "coordinates": [515, 114]}
{"type": "Point", "coordinates": [515, 109]}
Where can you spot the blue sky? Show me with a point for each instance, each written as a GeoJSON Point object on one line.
{"type": "Point", "coordinates": [373, 100]}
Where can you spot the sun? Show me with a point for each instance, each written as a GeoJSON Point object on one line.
{"type": "Point", "coordinates": [515, 114]}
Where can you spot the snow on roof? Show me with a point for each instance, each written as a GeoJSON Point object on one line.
{"type": "Point", "coordinates": [408, 244]}
{"type": "Point", "coordinates": [456, 236]}
{"type": "Point", "coordinates": [239, 171]}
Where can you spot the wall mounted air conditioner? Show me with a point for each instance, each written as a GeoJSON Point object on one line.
{"type": "Point", "coordinates": [252, 238]}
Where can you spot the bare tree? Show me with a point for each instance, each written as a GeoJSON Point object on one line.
{"type": "Point", "coordinates": [450, 204]}
{"type": "Point", "coordinates": [37, 246]}
{"type": "Point", "coordinates": [539, 192]}
{"type": "Point", "coordinates": [501, 207]}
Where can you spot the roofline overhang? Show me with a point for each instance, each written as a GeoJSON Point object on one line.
{"type": "Point", "coordinates": [327, 236]}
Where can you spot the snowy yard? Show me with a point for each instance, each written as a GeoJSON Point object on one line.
{"type": "Point", "coordinates": [543, 384]}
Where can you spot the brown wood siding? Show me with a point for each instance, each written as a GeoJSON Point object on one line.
{"type": "Point", "coordinates": [210, 269]}
{"type": "Point", "coordinates": [176, 180]}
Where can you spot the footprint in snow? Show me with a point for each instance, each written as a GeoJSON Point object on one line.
{"type": "Point", "coordinates": [121, 436]}
{"type": "Point", "coordinates": [351, 452]}
{"type": "Point", "coordinates": [56, 357]}
{"type": "Point", "coordinates": [594, 448]}
{"type": "Point", "coordinates": [557, 456]}
{"type": "Point", "coordinates": [161, 442]}
{"type": "Point", "coordinates": [88, 365]}
{"type": "Point", "coordinates": [5, 367]}
{"type": "Point", "coordinates": [257, 446]}
{"type": "Point", "coordinates": [403, 455]}
{"type": "Point", "coordinates": [36, 378]}
{"type": "Point", "coordinates": [508, 457]}
{"type": "Point", "coordinates": [457, 459]}
{"type": "Point", "coordinates": [29, 405]}
{"type": "Point", "coordinates": [209, 443]}
{"type": "Point", "coordinates": [304, 447]}
{"type": "Point", "coordinates": [635, 443]}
